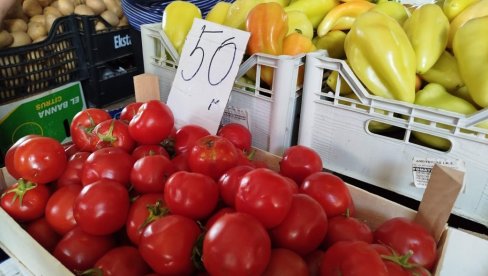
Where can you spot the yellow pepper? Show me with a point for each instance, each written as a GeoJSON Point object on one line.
{"type": "Point", "coordinates": [445, 72]}
{"type": "Point", "coordinates": [331, 81]}
{"type": "Point", "coordinates": [470, 47]}
{"type": "Point", "coordinates": [394, 9]}
{"type": "Point", "coordinates": [382, 57]}
{"type": "Point", "coordinates": [333, 42]}
{"type": "Point", "coordinates": [348, 9]}
{"type": "Point", "coordinates": [475, 10]}
{"type": "Point", "coordinates": [452, 8]}
{"type": "Point", "coordinates": [299, 22]}
{"type": "Point", "coordinates": [177, 21]}
{"type": "Point", "coordinates": [427, 29]}
{"type": "Point", "coordinates": [237, 13]}
{"type": "Point", "coordinates": [314, 9]}
{"type": "Point", "coordinates": [218, 13]}
{"type": "Point", "coordinates": [282, 3]}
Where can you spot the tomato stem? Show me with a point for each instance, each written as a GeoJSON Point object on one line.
{"type": "Point", "coordinates": [108, 135]}
{"type": "Point", "coordinates": [156, 211]}
{"type": "Point", "coordinates": [22, 188]}
{"type": "Point", "coordinates": [90, 272]}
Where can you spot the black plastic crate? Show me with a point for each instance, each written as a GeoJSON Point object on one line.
{"type": "Point", "coordinates": [104, 45]}
{"type": "Point", "coordinates": [38, 67]}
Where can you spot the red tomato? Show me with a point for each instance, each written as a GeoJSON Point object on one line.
{"type": "Point", "coordinates": [144, 210]}
{"type": "Point", "coordinates": [352, 258]}
{"type": "Point", "coordinates": [344, 228]}
{"type": "Point", "coordinates": [79, 251]}
{"type": "Point", "coordinates": [9, 156]}
{"type": "Point", "coordinates": [72, 174]}
{"type": "Point", "coordinates": [186, 136]}
{"type": "Point", "coordinates": [129, 111]}
{"type": "Point", "coordinates": [101, 208]}
{"type": "Point", "coordinates": [404, 235]}
{"type": "Point", "coordinates": [216, 215]}
{"type": "Point", "coordinates": [229, 183]}
{"type": "Point", "coordinates": [40, 159]}
{"type": "Point", "coordinates": [145, 150]}
{"type": "Point", "coordinates": [108, 163]}
{"type": "Point", "coordinates": [299, 162]}
{"type": "Point", "coordinates": [236, 244]}
{"type": "Point", "coordinates": [112, 133]}
{"type": "Point", "coordinates": [42, 232]}
{"type": "Point", "coordinates": [82, 126]}
{"type": "Point", "coordinates": [149, 174]}
{"type": "Point", "coordinates": [122, 261]}
{"type": "Point", "coordinates": [59, 208]}
{"type": "Point", "coordinates": [285, 262]}
{"type": "Point", "coordinates": [193, 195]}
{"type": "Point", "coordinates": [398, 265]}
{"type": "Point", "coordinates": [167, 245]}
{"type": "Point", "coordinates": [238, 134]}
{"type": "Point", "coordinates": [180, 162]}
{"type": "Point", "coordinates": [153, 123]}
{"type": "Point", "coordinates": [304, 227]}
{"type": "Point", "coordinates": [213, 156]}
{"type": "Point", "coordinates": [70, 148]}
{"type": "Point", "coordinates": [25, 201]}
{"type": "Point", "coordinates": [266, 195]}
{"type": "Point", "coordinates": [331, 192]}
{"type": "Point", "coordinates": [314, 260]}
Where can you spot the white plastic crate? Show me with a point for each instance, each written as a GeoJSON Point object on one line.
{"type": "Point", "coordinates": [337, 127]}
{"type": "Point", "coordinates": [272, 112]}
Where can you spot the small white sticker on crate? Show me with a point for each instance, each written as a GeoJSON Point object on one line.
{"type": "Point", "coordinates": [422, 168]}
{"type": "Point", "coordinates": [237, 115]}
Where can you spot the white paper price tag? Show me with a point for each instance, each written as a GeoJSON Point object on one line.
{"type": "Point", "coordinates": [422, 168]}
{"type": "Point", "coordinates": [206, 73]}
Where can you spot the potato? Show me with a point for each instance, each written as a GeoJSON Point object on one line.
{"type": "Point", "coordinates": [100, 26]}
{"type": "Point", "coordinates": [55, 4]}
{"type": "Point", "coordinates": [110, 17]}
{"type": "Point", "coordinates": [31, 7]}
{"type": "Point", "coordinates": [39, 39]}
{"type": "Point", "coordinates": [9, 66]}
{"type": "Point", "coordinates": [53, 11]}
{"type": "Point", "coordinates": [123, 22]}
{"type": "Point", "coordinates": [40, 18]}
{"type": "Point", "coordinates": [66, 7]}
{"type": "Point", "coordinates": [44, 3]}
{"type": "Point", "coordinates": [36, 30]}
{"type": "Point", "coordinates": [83, 10]}
{"type": "Point", "coordinates": [49, 21]}
{"type": "Point", "coordinates": [15, 25]}
{"type": "Point", "coordinates": [98, 6]}
{"type": "Point", "coordinates": [20, 39]}
{"type": "Point", "coordinates": [38, 86]}
{"type": "Point", "coordinates": [5, 39]}
{"type": "Point", "coordinates": [114, 7]}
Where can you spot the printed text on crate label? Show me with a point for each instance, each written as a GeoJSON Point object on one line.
{"type": "Point", "coordinates": [120, 41]}
{"type": "Point", "coordinates": [237, 115]}
{"type": "Point", "coordinates": [422, 168]}
{"type": "Point", "coordinates": [206, 73]}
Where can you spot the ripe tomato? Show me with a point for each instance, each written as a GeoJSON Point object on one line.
{"type": "Point", "coordinates": [167, 244]}
{"type": "Point", "coordinates": [264, 194]}
{"type": "Point", "coordinates": [9, 156]}
{"type": "Point", "coordinates": [129, 111]}
{"type": "Point", "coordinates": [193, 195]}
{"type": "Point", "coordinates": [108, 163]}
{"type": "Point", "coordinates": [404, 235]}
{"type": "Point", "coordinates": [299, 162]}
{"type": "Point", "coordinates": [285, 262]}
{"type": "Point", "coordinates": [213, 156]}
{"type": "Point", "coordinates": [42, 232]}
{"type": "Point", "coordinates": [216, 215]}
{"type": "Point", "coordinates": [180, 162]}
{"type": "Point", "coordinates": [152, 123]}
{"type": "Point", "coordinates": [238, 134]}
{"type": "Point", "coordinates": [72, 174]}
{"type": "Point", "coordinates": [101, 208]}
{"type": "Point", "coordinates": [25, 201]}
{"type": "Point", "coordinates": [82, 126]}
{"type": "Point", "coordinates": [144, 210]}
{"type": "Point", "coordinates": [229, 183]}
{"type": "Point", "coordinates": [331, 192]}
{"type": "Point", "coordinates": [186, 136]}
{"type": "Point", "coordinates": [314, 260]}
{"type": "Point", "coordinates": [398, 265]}
{"type": "Point", "coordinates": [122, 261]}
{"type": "Point", "coordinates": [149, 173]}
{"type": "Point", "coordinates": [112, 133]}
{"type": "Point", "coordinates": [236, 244]}
{"type": "Point", "coordinates": [59, 208]}
{"type": "Point", "coordinates": [40, 159]}
{"type": "Point", "coordinates": [304, 227]}
{"type": "Point", "coordinates": [346, 228]}
{"type": "Point", "coordinates": [352, 258]}
{"type": "Point", "coordinates": [145, 150]}
{"type": "Point", "coordinates": [78, 250]}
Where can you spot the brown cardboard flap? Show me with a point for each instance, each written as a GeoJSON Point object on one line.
{"type": "Point", "coordinates": [439, 198]}
{"type": "Point", "coordinates": [146, 87]}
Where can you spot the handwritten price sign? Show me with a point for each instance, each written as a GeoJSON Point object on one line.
{"type": "Point", "coordinates": [206, 73]}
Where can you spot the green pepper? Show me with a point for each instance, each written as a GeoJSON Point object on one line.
{"type": "Point", "coordinates": [177, 21]}
{"type": "Point", "coordinates": [380, 54]}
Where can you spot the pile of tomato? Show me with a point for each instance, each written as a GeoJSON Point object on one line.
{"type": "Point", "coordinates": [136, 196]}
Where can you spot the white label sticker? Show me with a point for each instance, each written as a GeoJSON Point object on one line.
{"type": "Point", "coordinates": [422, 168]}
{"type": "Point", "coordinates": [237, 115]}
{"type": "Point", "coordinates": [206, 73]}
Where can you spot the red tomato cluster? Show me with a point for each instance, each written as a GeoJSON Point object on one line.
{"type": "Point", "coordinates": [135, 196]}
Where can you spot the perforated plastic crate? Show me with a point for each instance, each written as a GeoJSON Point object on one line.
{"type": "Point", "coordinates": [271, 113]}
{"type": "Point", "coordinates": [338, 128]}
